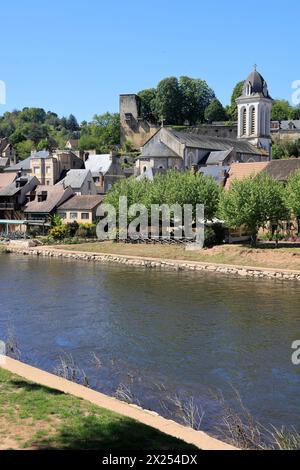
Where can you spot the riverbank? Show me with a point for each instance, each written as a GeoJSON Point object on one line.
{"type": "Point", "coordinates": [229, 260]}
{"type": "Point", "coordinates": [42, 411]}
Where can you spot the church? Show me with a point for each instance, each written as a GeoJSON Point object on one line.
{"type": "Point", "coordinates": [172, 149]}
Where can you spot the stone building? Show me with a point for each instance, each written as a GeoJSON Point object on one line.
{"type": "Point", "coordinates": [133, 127]}
{"type": "Point", "coordinates": [169, 148]}
{"type": "Point", "coordinates": [48, 167]}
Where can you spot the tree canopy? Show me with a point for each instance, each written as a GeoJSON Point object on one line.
{"type": "Point", "coordinates": [253, 202]}
{"type": "Point", "coordinates": [176, 101]}
{"type": "Point", "coordinates": [215, 111]}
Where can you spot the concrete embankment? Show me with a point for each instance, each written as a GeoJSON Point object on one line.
{"type": "Point", "coordinates": [149, 418]}
{"type": "Point", "coordinates": [159, 263]}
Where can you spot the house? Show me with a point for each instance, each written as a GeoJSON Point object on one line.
{"type": "Point", "coordinates": [72, 144]}
{"type": "Point", "coordinates": [13, 195]}
{"type": "Point", "coordinates": [106, 170]}
{"type": "Point", "coordinates": [239, 171]}
{"type": "Point", "coordinates": [81, 181]}
{"type": "Point", "coordinates": [280, 170]}
{"type": "Point", "coordinates": [7, 150]}
{"type": "Point", "coordinates": [80, 209]}
{"type": "Point", "coordinates": [44, 201]}
{"type": "Point", "coordinates": [48, 167]}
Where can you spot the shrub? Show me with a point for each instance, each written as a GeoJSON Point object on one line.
{"type": "Point", "coordinates": [59, 232]}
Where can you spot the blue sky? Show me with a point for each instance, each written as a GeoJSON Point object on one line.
{"type": "Point", "coordinates": [76, 56]}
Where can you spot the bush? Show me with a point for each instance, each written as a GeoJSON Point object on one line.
{"type": "Point", "coordinates": [72, 228]}
{"type": "Point", "coordinates": [59, 232]}
{"type": "Point", "coordinates": [86, 231]}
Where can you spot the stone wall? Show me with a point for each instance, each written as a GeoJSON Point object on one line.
{"type": "Point", "coordinates": [156, 263]}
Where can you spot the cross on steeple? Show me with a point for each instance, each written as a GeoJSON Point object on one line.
{"type": "Point", "coordinates": [255, 67]}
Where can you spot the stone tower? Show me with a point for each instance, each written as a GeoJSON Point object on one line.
{"type": "Point", "coordinates": [254, 112]}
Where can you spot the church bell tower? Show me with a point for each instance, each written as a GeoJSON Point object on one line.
{"type": "Point", "coordinates": [254, 112]}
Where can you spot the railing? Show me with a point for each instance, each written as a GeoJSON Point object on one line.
{"type": "Point", "coordinates": [7, 205]}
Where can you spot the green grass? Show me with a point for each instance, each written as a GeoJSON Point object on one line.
{"type": "Point", "coordinates": [36, 417]}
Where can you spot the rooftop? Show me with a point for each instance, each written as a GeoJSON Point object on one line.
{"type": "Point", "coordinates": [239, 171]}
{"type": "Point", "coordinates": [74, 178]}
{"type": "Point", "coordinates": [282, 169]}
{"type": "Point", "coordinates": [82, 203]}
{"type": "Point", "coordinates": [98, 163]}
{"type": "Point", "coordinates": [47, 198]}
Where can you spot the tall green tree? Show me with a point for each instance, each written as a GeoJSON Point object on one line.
{"type": "Point", "coordinates": [292, 195]}
{"type": "Point", "coordinates": [168, 101]}
{"type": "Point", "coordinates": [253, 202]}
{"type": "Point", "coordinates": [232, 110]}
{"type": "Point", "coordinates": [281, 110]}
{"type": "Point", "coordinates": [148, 105]}
{"type": "Point", "coordinates": [215, 111]}
{"type": "Point", "coordinates": [196, 96]}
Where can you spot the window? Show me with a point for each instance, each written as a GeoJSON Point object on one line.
{"type": "Point", "coordinates": [73, 215]}
{"type": "Point", "coordinates": [253, 121]}
{"type": "Point", "coordinates": [63, 215]}
{"type": "Point", "coordinates": [89, 185]}
{"type": "Point", "coordinates": [244, 121]}
{"type": "Point", "coordinates": [85, 216]}
{"type": "Point", "coordinates": [48, 169]}
{"type": "Point", "coordinates": [36, 170]}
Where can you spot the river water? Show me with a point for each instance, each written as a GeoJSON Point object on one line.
{"type": "Point", "coordinates": [159, 334]}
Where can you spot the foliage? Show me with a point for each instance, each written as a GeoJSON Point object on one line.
{"type": "Point", "coordinates": [147, 110]}
{"type": "Point", "coordinates": [232, 110]}
{"type": "Point", "coordinates": [173, 188]}
{"type": "Point", "coordinates": [59, 232]}
{"type": "Point", "coordinates": [253, 202]}
{"type": "Point", "coordinates": [176, 101]}
{"type": "Point", "coordinates": [281, 110]}
{"type": "Point", "coordinates": [102, 134]}
{"type": "Point", "coordinates": [86, 231]}
{"type": "Point", "coordinates": [286, 149]}
{"type": "Point", "coordinates": [215, 111]}
{"type": "Point", "coordinates": [292, 193]}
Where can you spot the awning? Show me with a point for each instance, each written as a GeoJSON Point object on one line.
{"type": "Point", "coordinates": [12, 222]}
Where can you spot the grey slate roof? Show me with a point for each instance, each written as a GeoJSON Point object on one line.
{"type": "Point", "coordinates": [74, 178]}
{"type": "Point", "coordinates": [23, 164]}
{"type": "Point", "coordinates": [98, 164]}
{"type": "Point", "coordinates": [158, 149]}
{"type": "Point", "coordinates": [12, 189]}
{"type": "Point", "coordinates": [81, 203]}
{"type": "Point", "coordinates": [218, 157]}
{"type": "Point", "coordinates": [282, 169]}
{"type": "Point", "coordinates": [216, 143]}
{"type": "Point", "coordinates": [217, 172]}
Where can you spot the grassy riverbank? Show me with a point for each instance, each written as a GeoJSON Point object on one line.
{"type": "Point", "coordinates": [241, 255]}
{"type": "Point", "coordinates": [36, 417]}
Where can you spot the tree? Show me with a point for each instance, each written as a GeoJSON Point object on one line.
{"type": "Point", "coordinates": [102, 134]}
{"type": "Point", "coordinates": [168, 101]}
{"type": "Point", "coordinates": [281, 110]}
{"type": "Point", "coordinates": [292, 195]}
{"type": "Point", "coordinates": [147, 105]}
{"type": "Point", "coordinates": [72, 124]}
{"type": "Point", "coordinates": [215, 111]}
{"type": "Point", "coordinates": [196, 96]}
{"type": "Point", "coordinates": [232, 110]}
{"type": "Point", "coordinates": [253, 202]}
{"type": "Point", "coordinates": [24, 148]}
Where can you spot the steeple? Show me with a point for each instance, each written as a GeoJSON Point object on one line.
{"type": "Point", "coordinates": [254, 112]}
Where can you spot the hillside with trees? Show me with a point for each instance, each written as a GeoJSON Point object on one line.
{"type": "Point", "coordinates": [37, 129]}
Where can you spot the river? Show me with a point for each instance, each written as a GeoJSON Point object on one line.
{"type": "Point", "coordinates": [160, 334]}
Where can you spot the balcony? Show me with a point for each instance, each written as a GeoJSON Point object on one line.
{"type": "Point", "coordinates": [7, 206]}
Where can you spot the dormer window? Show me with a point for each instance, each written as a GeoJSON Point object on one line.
{"type": "Point", "coordinates": [248, 89]}
{"type": "Point", "coordinates": [42, 196]}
